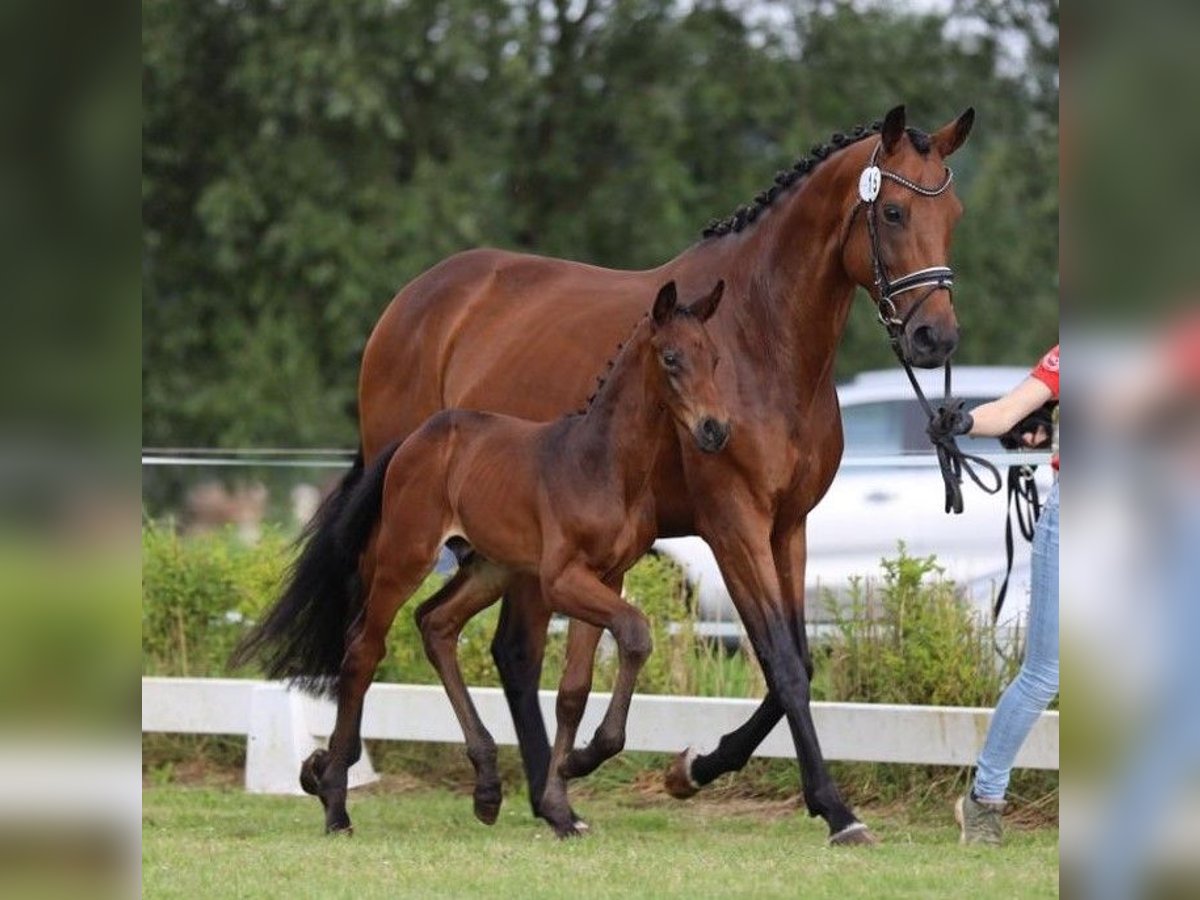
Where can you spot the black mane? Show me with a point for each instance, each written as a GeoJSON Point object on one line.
{"type": "Point", "coordinates": [786, 178]}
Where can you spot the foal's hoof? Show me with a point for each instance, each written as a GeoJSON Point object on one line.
{"type": "Point", "coordinates": [854, 835]}
{"type": "Point", "coordinates": [487, 803]}
{"type": "Point", "coordinates": [311, 770]}
{"type": "Point", "coordinates": [678, 779]}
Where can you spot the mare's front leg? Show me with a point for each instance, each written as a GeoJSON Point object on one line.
{"type": "Point", "coordinates": [756, 570]}
{"type": "Point", "coordinates": [476, 585]}
{"type": "Point", "coordinates": [689, 771]}
{"type": "Point", "coordinates": [577, 592]}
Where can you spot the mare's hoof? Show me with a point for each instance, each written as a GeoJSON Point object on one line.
{"type": "Point", "coordinates": [339, 830]}
{"type": "Point", "coordinates": [487, 804]}
{"type": "Point", "coordinates": [311, 770]}
{"type": "Point", "coordinates": [575, 828]}
{"type": "Point", "coordinates": [678, 779]}
{"type": "Point", "coordinates": [854, 835]}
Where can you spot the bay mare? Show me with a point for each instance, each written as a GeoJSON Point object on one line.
{"type": "Point", "coordinates": [525, 335]}
{"type": "Point", "coordinates": [566, 502]}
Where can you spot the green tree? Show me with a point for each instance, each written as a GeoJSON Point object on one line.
{"type": "Point", "coordinates": [302, 161]}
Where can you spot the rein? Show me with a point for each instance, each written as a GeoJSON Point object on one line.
{"type": "Point", "coordinates": [952, 461]}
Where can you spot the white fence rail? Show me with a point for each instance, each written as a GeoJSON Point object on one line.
{"type": "Point", "coordinates": [284, 726]}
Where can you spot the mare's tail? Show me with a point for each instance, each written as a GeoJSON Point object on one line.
{"type": "Point", "coordinates": [303, 636]}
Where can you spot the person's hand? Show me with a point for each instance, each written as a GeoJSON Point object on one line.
{"type": "Point", "coordinates": [1032, 432]}
{"type": "Point", "coordinates": [950, 420]}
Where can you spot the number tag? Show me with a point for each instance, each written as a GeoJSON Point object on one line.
{"type": "Point", "coordinates": [868, 183]}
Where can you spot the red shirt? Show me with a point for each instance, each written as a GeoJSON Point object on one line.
{"type": "Point", "coordinates": [1046, 371]}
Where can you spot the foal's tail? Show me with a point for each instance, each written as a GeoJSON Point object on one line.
{"type": "Point", "coordinates": [303, 636]}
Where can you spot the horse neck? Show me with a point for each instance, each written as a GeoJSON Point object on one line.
{"type": "Point", "coordinates": [792, 291]}
{"type": "Point", "coordinates": [627, 422]}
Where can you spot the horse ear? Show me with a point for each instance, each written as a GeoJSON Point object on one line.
{"type": "Point", "coordinates": [893, 128]}
{"type": "Point", "coordinates": [664, 303]}
{"type": "Point", "coordinates": [950, 137]}
{"type": "Point", "coordinates": [703, 308]}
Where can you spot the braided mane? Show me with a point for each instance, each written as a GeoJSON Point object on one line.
{"type": "Point", "coordinates": [608, 367]}
{"type": "Point", "coordinates": [786, 178]}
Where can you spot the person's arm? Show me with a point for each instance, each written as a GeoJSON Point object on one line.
{"type": "Point", "coordinates": [998, 416]}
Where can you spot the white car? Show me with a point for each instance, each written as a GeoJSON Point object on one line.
{"type": "Point", "coordinates": [889, 489]}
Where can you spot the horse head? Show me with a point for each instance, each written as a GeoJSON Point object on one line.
{"type": "Point", "coordinates": [900, 252]}
{"type": "Point", "coordinates": [687, 358]}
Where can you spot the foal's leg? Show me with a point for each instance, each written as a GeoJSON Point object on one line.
{"type": "Point", "coordinates": [578, 593]}
{"type": "Point", "coordinates": [573, 690]}
{"type": "Point", "coordinates": [477, 585]}
{"type": "Point", "coordinates": [396, 576]}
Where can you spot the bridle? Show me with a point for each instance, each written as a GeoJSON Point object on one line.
{"type": "Point", "coordinates": [934, 278]}
{"type": "Point", "coordinates": [952, 461]}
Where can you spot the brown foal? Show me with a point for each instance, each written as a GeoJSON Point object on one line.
{"type": "Point", "coordinates": [568, 502]}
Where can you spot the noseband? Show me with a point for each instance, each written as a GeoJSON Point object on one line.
{"type": "Point", "coordinates": [952, 461]}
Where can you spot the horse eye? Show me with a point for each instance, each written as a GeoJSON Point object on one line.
{"type": "Point", "coordinates": [892, 213]}
{"type": "Point", "coordinates": [670, 359]}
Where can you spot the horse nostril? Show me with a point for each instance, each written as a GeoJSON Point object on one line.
{"type": "Point", "coordinates": [923, 338]}
{"type": "Point", "coordinates": [712, 435]}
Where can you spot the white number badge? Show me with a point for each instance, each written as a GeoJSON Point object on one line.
{"type": "Point", "coordinates": [868, 183]}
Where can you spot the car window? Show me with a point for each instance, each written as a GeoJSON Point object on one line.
{"type": "Point", "coordinates": [873, 429]}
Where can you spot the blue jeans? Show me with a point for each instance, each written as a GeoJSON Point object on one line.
{"type": "Point", "coordinates": [1027, 697]}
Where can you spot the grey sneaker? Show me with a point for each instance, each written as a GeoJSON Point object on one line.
{"type": "Point", "coordinates": [979, 821]}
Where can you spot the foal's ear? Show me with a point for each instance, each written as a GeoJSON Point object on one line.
{"type": "Point", "coordinates": [703, 308]}
{"type": "Point", "coordinates": [665, 303]}
{"type": "Point", "coordinates": [893, 128]}
{"type": "Point", "coordinates": [950, 137]}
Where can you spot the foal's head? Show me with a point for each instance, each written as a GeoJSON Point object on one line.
{"type": "Point", "coordinates": [687, 359]}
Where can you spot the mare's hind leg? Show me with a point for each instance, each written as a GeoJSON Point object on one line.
{"type": "Point", "coordinates": [577, 592]}
{"type": "Point", "coordinates": [398, 572]}
{"type": "Point", "coordinates": [518, 648]}
{"type": "Point", "coordinates": [477, 585]}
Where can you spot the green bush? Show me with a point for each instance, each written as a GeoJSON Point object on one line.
{"type": "Point", "coordinates": [198, 593]}
{"type": "Point", "coordinates": [914, 640]}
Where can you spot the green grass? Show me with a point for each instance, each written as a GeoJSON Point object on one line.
{"type": "Point", "coordinates": [209, 842]}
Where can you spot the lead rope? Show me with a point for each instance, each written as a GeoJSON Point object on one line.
{"type": "Point", "coordinates": [1025, 505]}
{"type": "Point", "coordinates": [952, 461]}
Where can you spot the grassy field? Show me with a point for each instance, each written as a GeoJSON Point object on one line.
{"type": "Point", "coordinates": [418, 842]}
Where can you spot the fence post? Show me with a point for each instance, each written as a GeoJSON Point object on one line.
{"type": "Point", "coordinates": [280, 739]}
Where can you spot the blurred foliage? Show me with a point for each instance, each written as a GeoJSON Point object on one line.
{"type": "Point", "coordinates": [65, 629]}
{"type": "Point", "coordinates": [303, 161]}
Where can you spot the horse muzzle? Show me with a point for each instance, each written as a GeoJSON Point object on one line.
{"type": "Point", "coordinates": [928, 347]}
